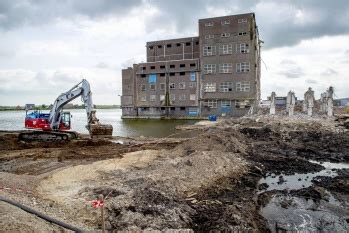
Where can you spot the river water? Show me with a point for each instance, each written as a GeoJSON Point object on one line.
{"type": "Point", "coordinates": [14, 120]}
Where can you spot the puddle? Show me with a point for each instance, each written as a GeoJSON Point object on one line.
{"type": "Point", "coordinates": [286, 213]}
{"type": "Point", "coordinates": [329, 165]}
{"type": "Point", "coordinates": [300, 215]}
{"type": "Point", "coordinates": [298, 181]}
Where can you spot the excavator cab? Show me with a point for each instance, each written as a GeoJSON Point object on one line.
{"type": "Point", "coordinates": [65, 121]}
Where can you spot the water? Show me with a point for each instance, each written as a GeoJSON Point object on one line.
{"type": "Point", "coordinates": [300, 214]}
{"type": "Point", "coordinates": [299, 180]}
{"type": "Point", "coordinates": [14, 120]}
{"type": "Point", "coordinates": [303, 215]}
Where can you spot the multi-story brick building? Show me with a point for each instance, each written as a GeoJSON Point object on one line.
{"type": "Point", "coordinates": [215, 73]}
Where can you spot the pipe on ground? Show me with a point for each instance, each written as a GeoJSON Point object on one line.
{"type": "Point", "coordinates": [41, 215]}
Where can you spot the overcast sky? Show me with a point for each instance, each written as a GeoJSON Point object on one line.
{"type": "Point", "coordinates": [46, 46]}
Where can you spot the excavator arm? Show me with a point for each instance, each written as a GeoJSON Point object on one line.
{"type": "Point", "coordinates": [81, 89]}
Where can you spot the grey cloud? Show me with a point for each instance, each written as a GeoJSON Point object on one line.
{"type": "Point", "coordinates": [311, 81]}
{"type": "Point", "coordinates": [7, 53]}
{"type": "Point", "coordinates": [293, 73]}
{"type": "Point", "coordinates": [279, 22]}
{"type": "Point", "coordinates": [329, 72]}
{"type": "Point", "coordinates": [287, 62]}
{"type": "Point", "coordinates": [17, 13]}
{"type": "Point", "coordinates": [103, 65]}
{"type": "Point", "coordinates": [130, 62]}
{"type": "Point", "coordinates": [183, 15]}
{"type": "Point", "coordinates": [321, 18]}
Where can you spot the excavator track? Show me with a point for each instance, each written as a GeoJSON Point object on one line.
{"type": "Point", "coordinates": [45, 136]}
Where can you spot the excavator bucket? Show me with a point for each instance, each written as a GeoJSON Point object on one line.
{"type": "Point", "coordinates": [103, 130]}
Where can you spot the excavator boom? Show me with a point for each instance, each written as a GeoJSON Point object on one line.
{"type": "Point", "coordinates": [53, 126]}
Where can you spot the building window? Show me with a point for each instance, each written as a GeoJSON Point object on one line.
{"type": "Point", "coordinates": [162, 67]}
{"type": "Point", "coordinates": [243, 67]}
{"type": "Point", "coordinates": [209, 50]}
{"type": "Point", "coordinates": [244, 48]}
{"type": "Point", "coordinates": [144, 68]}
{"type": "Point", "coordinates": [192, 84]}
{"type": "Point", "coordinates": [242, 33]}
{"type": "Point", "coordinates": [192, 65]}
{"type": "Point", "coordinates": [181, 73]}
{"type": "Point", "coordinates": [242, 104]}
{"type": "Point", "coordinates": [243, 86]}
{"type": "Point", "coordinates": [193, 111]}
{"type": "Point", "coordinates": [226, 68]}
{"type": "Point", "coordinates": [187, 44]}
{"type": "Point", "coordinates": [209, 68]}
{"type": "Point", "coordinates": [197, 42]}
{"type": "Point", "coordinates": [151, 47]}
{"type": "Point", "coordinates": [143, 88]}
{"type": "Point", "coordinates": [143, 98]}
{"type": "Point", "coordinates": [182, 85]}
{"type": "Point", "coordinates": [192, 76]}
{"type": "Point", "coordinates": [152, 67]}
{"type": "Point", "coordinates": [162, 74]}
{"type": "Point", "coordinates": [242, 20]}
{"type": "Point", "coordinates": [209, 36]}
{"type": "Point", "coordinates": [172, 85]}
{"type": "Point", "coordinates": [225, 103]}
{"type": "Point", "coordinates": [225, 34]}
{"type": "Point", "coordinates": [226, 86]}
{"type": "Point", "coordinates": [182, 97]}
{"type": "Point", "coordinates": [162, 86]}
{"type": "Point", "coordinates": [172, 66]}
{"type": "Point", "coordinates": [152, 87]}
{"type": "Point", "coordinates": [209, 24]}
{"type": "Point", "coordinates": [209, 87]}
{"type": "Point", "coordinates": [182, 66]}
{"type": "Point", "coordinates": [173, 97]}
{"type": "Point", "coordinates": [162, 97]}
{"type": "Point", "coordinates": [225, 49]}
{"type": "Point", "coordinates": [159, 46]}
{"type": "Point", "coordinates": [152, 97]}
{"type": "Point", "coordinates": [143, 75]}
{"type": "Point", "coordinates": [225, 22]}
{"type": "Point", "coordinates": [192, 97]}
{"type": "Point", "coordinates": [172, 74]}
{"type": "Point", "coordinates": [152, 78]}
{"type": "Point", "coordinates": [178, 44]}
{"type": "Point", "coordinates": [168, 45]}
{"type": "Point", "coordinates": [211, 103]}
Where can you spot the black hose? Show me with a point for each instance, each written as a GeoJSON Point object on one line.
{"type": "Point", "coordinates": [41, 215]}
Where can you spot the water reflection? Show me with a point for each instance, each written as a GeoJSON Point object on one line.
{"type": "Point", "coordinates": [14, 120]}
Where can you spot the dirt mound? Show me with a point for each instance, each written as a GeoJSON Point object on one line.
{"type": "Point", "coordinates": [13, 219]}
{"type": "Point", "coordinates": [162, 194]}
{"type": "Point", "coordinates": [147, 207]}
{"type": "Point", "coordinates": [338, 184]}
{"type": "Point", "coordinates": [214, 140]}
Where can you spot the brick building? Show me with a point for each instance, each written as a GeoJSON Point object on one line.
{"type": "Point", "coordinates": [217, 72]}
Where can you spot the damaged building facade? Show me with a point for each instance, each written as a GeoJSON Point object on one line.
{"type": "Point", "coordinates": [217, 72]}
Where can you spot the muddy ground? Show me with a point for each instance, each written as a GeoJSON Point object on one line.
{"type": "Point", "coordinates": [222, 179]}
